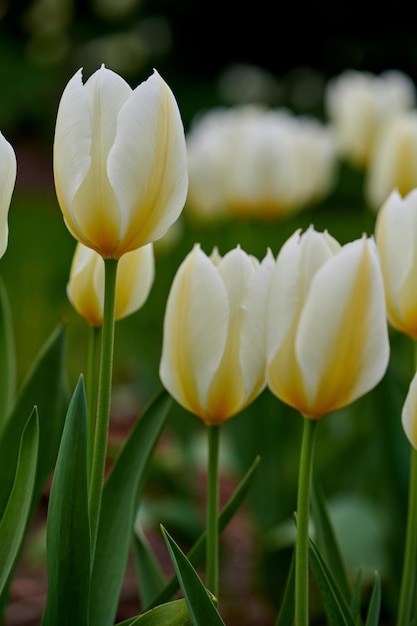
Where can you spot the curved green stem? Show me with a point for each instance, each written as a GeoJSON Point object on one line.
{"type": "Point", "coordinates": [92, 391]}
{"type": "Point", "coordinates": [408, 580]}
{"type": "Point", "coordinates": [303, 508]}
{"type": "Point", "coordinates": [212, 545]}
{"type": "Point", "coordinates": [104, 397]}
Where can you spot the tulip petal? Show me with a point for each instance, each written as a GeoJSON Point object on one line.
{"type": "Point", "coordinates": [135, 276]}
{"type": "Point", "coordinates": [7, 182]}
{"type": "Point", "coordinates": [342, 340]}
{"type": "Point", "coordinates": [147, 164]}
{"type": "Point", "coordinates": [85, 289]}
{"type": "Point", "coordinates": [195, 328]}
{"type": "Point", "coordinates": [409, 413]}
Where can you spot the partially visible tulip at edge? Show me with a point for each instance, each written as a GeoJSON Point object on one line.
{"type": "Point", "coordinates": [326, 329]}
{"type": "Point", "coordinates": [120, 163]}
{"type": "Point", "coordinates": [409, 413]}
{"type": "Point", "coordinates": [396, 239]}
{"type": "Point", "coordinates": [8, 169]}
{"type": "Point", "coordinates": [85, 288]}
{"type": "Point", "coordinates": [213, 357]}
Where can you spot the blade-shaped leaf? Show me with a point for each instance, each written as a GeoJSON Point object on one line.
{"type": "Point", "coordinates": [45, 388]}
{"type": "Point", "coordinates": [201, 607]}
{"type": "Point", "coordinates": [336, 607]}
{"type": "Point", "coordinates": [286, 612]}
{"type": "Point", "coordinates": [173, 613]}
{"type": "Point", "coordinates": [197, 552]}
{"type": "Point", "coordinates": [355, 603]}
{"type": "Point", "coordinates": [14, 520]}
{"type": "Point", "coordinates": [327, 542]}
{"type": "Point", "coordinates": [151, 577]}
{"type": "Point", "coordinates": [119, 508]}
{"type": "Point", "coordinates": [7, 356]}
{"type": "Point", "coordinates": [374, 609]}
{"type": "Point", "coordinates": [68, 528]}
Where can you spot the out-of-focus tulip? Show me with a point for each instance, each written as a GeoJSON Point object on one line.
{"type": "Point", "coordinates": [213, 357]}
{"type": "Point", "coordinates": [326, 334]}
{"type": "Point", "coordinates": [85, 289]}
{"type": "Point", "coordinates": [394, 161]}
{"type": "Point", "coordinates": [359, 105]}
{"type": "Point", "coordinates": [7, 182]}
{"type": "Point", "coordinates": [396, 239]}
{"type": "Point", "coordinates": [409, 413]}
{"type": "Point", "coordinates": [119, 161]}
{"type": "Point", "coordinates": [251, 161]}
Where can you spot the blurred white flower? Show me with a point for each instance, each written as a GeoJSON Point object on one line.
{"type": "Point", "coordinates": [253, 161]}
{"type": "Point", "coordinates": [359, 104]}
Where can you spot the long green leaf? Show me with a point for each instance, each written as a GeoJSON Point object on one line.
{"type": "Point", "coordinates": [327, 542]}
{"type": "Point", "coordinates": [337, 609]}
{"type": "Point", "coordinates": [151, 576]}
{"type": "Point", "coordinates": [285, 615]}
{"type": "Point", "coordinates": [45, 388]}
{"type": "Point", "coordinates": [14, 520]}
{"type": "Point", "coordinates": [119, 508]}
{"type": "Point", "coordinates": [7, 356]}
{"type": "Point", "coordinates": [68, 528]}
{"type": "Point", "coordinates": [201, 607]}
{"type": "Point", "coordinates": [197, 552]}
{"type": "Point", "coordinates": [173, 613]}
{"type": "Point", "coordinates": [374, 609]}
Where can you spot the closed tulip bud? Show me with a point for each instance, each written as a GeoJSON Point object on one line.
{"type": "Point", "coordinates": [7, 182]}
{"type": "Point", "coordinates": [409, 413]}
{"type": "Point", "coordinates": [394, 161]}
{"type": "Point", "coordinates": [213, 360]}
{"type": "Point", "coordinates": [119, 161]}
{"type": "Point", "coordinates": [326, 334]}
{"type": "Point", "coordinates": [396, 239]}
{"type": "Point", "coordinates": [85, 289]}
{"type": "Point", "coordinates": [359, 105]}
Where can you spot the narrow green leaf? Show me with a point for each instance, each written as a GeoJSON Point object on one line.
{"type": "Point", "coordinates": [14, 520]}
{"type": "Point", "coordinates": [7, 356]}
{"type": "Point", "coordinates": [334, 602]}
{"type": "Point", "coordinates": [198, 551]}
{"type": "Point", "coordinates": [68, 528]}
{"type": "Point", "coordinates": [173, 613]}
{"type": "Point", "coordinates": [201, 607]}
{"type": "Point", "coordinates": [119, 508]}
{"type": "Point", "coordinates": [327, 542]}
{"type": "Point", "coordinates": [151, 577]}
{"type": "Point", "coordinates": [286, 612]}
{"type": "Point", "coordinates": [45, 388]}
{"type": "Point", "coordinates": [374, 608]}
{"type": "Point", "coordinates": [355, 603]}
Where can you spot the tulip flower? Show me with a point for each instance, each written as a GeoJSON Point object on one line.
{"type": "Point", "coordinates": [7, 182]}
{"type": "Point", "coordinates": [212, 359]}
{"type": "Point", "coordinates": [359, 105]}
{"type": "Point", "coordinates": [394, 160]}
{"type": "Point", "coordinates": [119, 161]}
{"type": "Point", "coordinates": [327, 337]}
{"type": "Point", "coordinates": [396, 239]}
{"type": "Point", "coordinates": [409, 413]}
{"type": "Point", "coordinates": [85, 289]}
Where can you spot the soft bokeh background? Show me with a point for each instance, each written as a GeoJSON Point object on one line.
{"type": "Point", "coordinates": [217, 53]}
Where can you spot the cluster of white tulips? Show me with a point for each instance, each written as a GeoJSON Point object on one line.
{"type": "Point", "coordinates": [310, 323]}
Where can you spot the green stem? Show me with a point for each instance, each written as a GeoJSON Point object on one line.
{"type": "Point", "coordinates": [408, 580]}
{"type": "Point", "coordinates": [92, 392]}
{"type": "Point", "coordinates": [212, 545]}
{"type": "Point", "coordinates": [104, 397]}
{"type": "Point", "coordinates": [410, 551]}
{"type": "Point", "coordinates": [303, 508]}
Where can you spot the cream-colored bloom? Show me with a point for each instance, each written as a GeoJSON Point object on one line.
{"type": "Point", "coordinates": [251, 161]}
{"type": "Point", "coordinates": [85, 288]}
{"type": "Point", "coordinates": [119, 161]}
{"type": "Point", "coordinates": [359, 105]}
{"type": "Point", "coordinates": [394, 162]}
{"type": "Point", "coordinates": [396, 238]}
{"type": "Point", "coordinates": [326, 329]}
{"type": "Point", "coordinates": [409, 413]}
{"type": "Point", "coordinates": [213, 358]}
{"type": "Point", "coordinates": [7, 182]}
